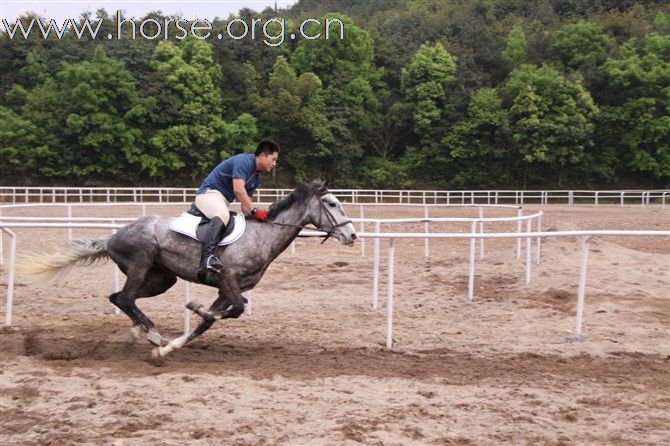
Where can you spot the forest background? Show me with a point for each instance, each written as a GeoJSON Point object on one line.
{"type": "Point", "coordinates": [420, 94]}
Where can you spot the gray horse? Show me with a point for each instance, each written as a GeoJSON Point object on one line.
{"type": "Point", "coordinates": [152, 257]}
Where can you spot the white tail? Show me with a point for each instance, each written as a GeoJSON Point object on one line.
{"type": "Point", "coordinates": [44, 268]}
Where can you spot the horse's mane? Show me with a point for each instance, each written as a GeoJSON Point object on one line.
{"type": "Point", "coordinates": [300, 194]}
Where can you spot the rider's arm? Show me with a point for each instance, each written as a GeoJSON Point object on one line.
{"type": "Point", "coordinates": [242, 196]}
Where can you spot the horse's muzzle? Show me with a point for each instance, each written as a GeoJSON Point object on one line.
{"type": "Point", "coordinates": [349, 240]}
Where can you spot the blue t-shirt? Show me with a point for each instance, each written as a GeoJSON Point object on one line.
{"type": "Point", "coordinates": [242, 166]}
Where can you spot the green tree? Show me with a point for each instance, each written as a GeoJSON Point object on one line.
{"type": "Point", "coordinates": [551, 118]}
{"type": "Point", "coordinates": [352, 91]}
{"type": "Point", "coordinates": [293, 108]}
{"type": "Point", "coordinates": [104, 117]}
{"type": "Point", "coordinates": [43, 108]}
{"type": "Point", "coordinates": [425, 86]}
{"type": "Point", "coordinates": [425, 83]}
{"type": "Point", "coordinates": [516, 50]}
{"type": "Point", "coordinates": [638, 108]}
{"type": "Point", "coordinates": [19, 148]}
{"type": "Point", "coordinates": [479, 143]}
{"type": "Point", "coordinates": [34, 128]}
{"type": "Point", "coordinates": [194, 135]}
{"type": "Point", "coordinates": [581, 44]}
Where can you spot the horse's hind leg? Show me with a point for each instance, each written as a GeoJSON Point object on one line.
{"type": "Point", "coordinates": [157, 281]}
{"type": "Point", "coordinates": [142, 284]}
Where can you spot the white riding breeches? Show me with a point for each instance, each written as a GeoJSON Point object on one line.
{"type": "Point", "coordinates": [212, 203]}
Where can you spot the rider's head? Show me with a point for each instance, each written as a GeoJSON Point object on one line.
{"type": "Point", "coordinates": [267, 154]}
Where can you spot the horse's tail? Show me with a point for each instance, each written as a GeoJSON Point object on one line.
{"type": "Point", "coordinates": [44, 268]}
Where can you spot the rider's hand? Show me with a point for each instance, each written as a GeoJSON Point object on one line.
{"type": "Point", "coordinates": [259, 214]}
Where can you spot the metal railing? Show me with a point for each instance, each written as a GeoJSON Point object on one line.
{"type": "Point", "coordinates": [15, 195]}
{"type": "Point", "coordinates": [7, 227]}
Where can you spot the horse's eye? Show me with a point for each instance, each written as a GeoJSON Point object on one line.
{"type": "Point", "coordinates": [332, 205]}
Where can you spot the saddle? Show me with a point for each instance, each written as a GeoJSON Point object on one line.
{"type": "Point", "coordinates": [193, 224]}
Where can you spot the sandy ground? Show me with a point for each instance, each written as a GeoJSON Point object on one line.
{"type": "Point", "coordinates": [309, 366]}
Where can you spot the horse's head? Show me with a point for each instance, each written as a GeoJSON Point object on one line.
{"type": "Point", "coordinates": [325, 212]}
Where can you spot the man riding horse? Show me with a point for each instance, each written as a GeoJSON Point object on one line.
{"type": "Point", "coordinates": [152, 255]}
{"type": "Point", "coordinates": [238, 178]}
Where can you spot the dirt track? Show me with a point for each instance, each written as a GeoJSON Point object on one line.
{"type": "Point", "coordinates": [308, 365]}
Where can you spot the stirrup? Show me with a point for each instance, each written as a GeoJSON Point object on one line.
{"type": "Point", "coordinates": [213, 264]}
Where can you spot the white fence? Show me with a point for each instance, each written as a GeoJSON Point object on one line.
{"type": "Point", "coordinates": [587, 236]}
{"type": "Point", "coordinates": [13, 195]}
{"type": "Point", "coordinates": [7, 223]}
{"type": "Point", "coordinates": [144, 207]}
{"type": "Point", "coordinates": [70, 222]}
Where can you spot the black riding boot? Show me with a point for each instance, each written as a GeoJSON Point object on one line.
{"type": "Point", "coordinates": [209, 260]}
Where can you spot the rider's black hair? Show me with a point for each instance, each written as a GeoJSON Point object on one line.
{"type": "Point", "coordinates": [268, 147]}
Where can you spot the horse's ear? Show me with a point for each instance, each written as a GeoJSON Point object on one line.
{"type": "Point", "coordinates": [326, 183]}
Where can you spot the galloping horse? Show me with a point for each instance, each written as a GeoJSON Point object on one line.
{"type": "Point", "coordinates": [152, 256]}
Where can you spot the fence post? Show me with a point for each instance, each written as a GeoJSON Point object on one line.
{"type": "Point", "coordinates": [375, 270]}
{"type": "Point", "coordinates": [389, 295]}
{"type": "Point", "coordinates": [426, 230]}
{"type": "Point", "coordinates": [116, 286]}
{"type": "Point", "coordinates": [69, 216]}
{"type": "Point", "coordinates": [10, 278]}
{"type": "Point", "coordinates": [362, 213]}
{"type": "Point", "coordinates": [582, 287]}
{"type": "Point", "coordinates": [528, 246]}
{"type": "Point", "coordinates": [187, 315]}
{"type": "Point", "coordinates": [538, 240]}
{"type": "Point", "coordinates": [2, 251]}
{"type": "Point", "coordinates": [481, 231]}
{"type": "Point", "coordinates": [471, 274]}
{"type": "Point", "coordinates": [519, 213]}
{"type": "Point", "coordinates": [247, 306]}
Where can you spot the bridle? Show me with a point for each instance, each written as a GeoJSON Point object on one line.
{"type": "Point", "coordinates": [322, 209]}
{"type": "Point", "coordinates": [331, 219]}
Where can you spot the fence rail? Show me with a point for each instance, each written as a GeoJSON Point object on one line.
{"type": "Point", "coordinates": [6, 227]}
{"type": "Point", "coordinates": [15, 195]}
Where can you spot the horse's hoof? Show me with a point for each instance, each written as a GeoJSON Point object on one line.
{"type": "Point", "coordinates": [156, 352]}
{"type": "Point", "coordinates": [194, 306]}
{"type": "Point", "coordinates": [156, 339]}
{"type": "Point", "coordinates": [133, 334]}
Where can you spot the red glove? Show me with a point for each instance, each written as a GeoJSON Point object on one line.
{"type": "Point", "coordinates": [259, 214]}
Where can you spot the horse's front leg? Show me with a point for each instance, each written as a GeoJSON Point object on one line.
{"type": "Point", "coordinates": [182, 340]}
{"type": "Point", "coordinates": [209, 317]}
{"type": "Point", "coordinates": [225, 306]}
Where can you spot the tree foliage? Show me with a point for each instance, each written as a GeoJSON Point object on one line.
{"type": "Point", "coordinates": [418, 94]}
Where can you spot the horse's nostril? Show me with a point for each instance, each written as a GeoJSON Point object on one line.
{"type": "Point", "coordinates": [354, 236]}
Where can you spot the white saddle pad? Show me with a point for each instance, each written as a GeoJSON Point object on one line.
{"type": "Point", "coordinates": [187, 224]}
